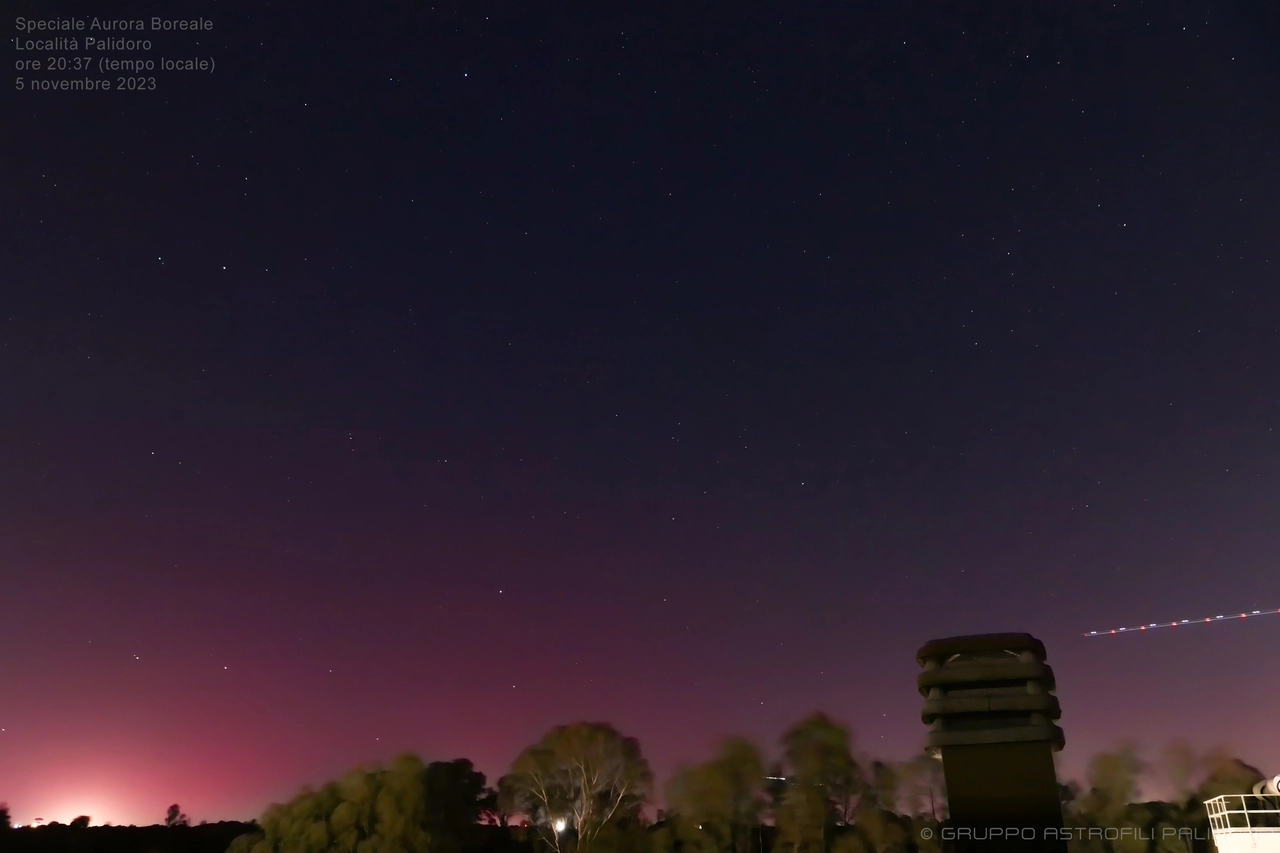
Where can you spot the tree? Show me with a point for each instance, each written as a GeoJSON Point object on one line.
{"type": "Point", "coordinates": [850, 842]}
{"type": "Point", "coordinates": [456, 796]}
{"type": "Point", "coordinates": [701, 816]}
{"type": "Point", "coordinates": [5, 822]}
{"type": "Point", "coordinates": [1113, 785]}
{"type": "Point", "coordinates": [742, 767]}
{"type": "Point", "coordinates": [1181, 765]}
{"type": "Point", "coordinates": [505, 800]}
{"type": "Point", "coordinates": [717, 805]}
{"type": "Point", "coordinates": [81, 822]}
{"type": "Point", "coordinates": [882, 830]}
{"type": "Point", "coordinates": [366, 811]}
{"type": "Point", "coordinates": [819, 752]}
{"type": "Point", "coordinates": [917, 779]}
{"type": "Point", "coordinates": [802, 819]}
{"type": "Point", "coordinates": [1226, 774]}
{"type": "Point", "coordinates": [175, 817]}
{"type": "Point", "coordinates": [663, 839]}
{"type": "Point", "coordinates": [626, 835]}
{"type": "Point", "coordinates": [584, 774]}
{"type": "Point", "coordinates": [775, 787]}
{"type": "Point", "coordinates": [491, 813]}
{"type": "Point", "coordinates": [883, 790]}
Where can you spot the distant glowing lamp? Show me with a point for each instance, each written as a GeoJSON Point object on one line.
{"type": "Point", "coordinates": [559, 824]}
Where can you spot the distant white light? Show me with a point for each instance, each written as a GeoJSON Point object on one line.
{"type": "Point", "coordinates": [559, 824]}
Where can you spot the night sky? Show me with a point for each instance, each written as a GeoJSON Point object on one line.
{"type": "Point", "coordinates": [425, 377]}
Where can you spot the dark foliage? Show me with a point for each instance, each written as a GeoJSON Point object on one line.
{"type": "Point", "coordinates": [730, 805]}
{"type": "Point", "coordinates": [60, 838]}
{"type": "Point", "coordinates": [456, 798]}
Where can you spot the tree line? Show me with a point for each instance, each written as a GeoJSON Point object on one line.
{"type": "Point", "coordinates": [587, 788]}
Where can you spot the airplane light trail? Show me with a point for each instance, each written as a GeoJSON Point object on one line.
{"type": "Point", "coordinates": [1206, 620]}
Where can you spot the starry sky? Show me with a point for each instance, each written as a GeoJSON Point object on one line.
{"type": "Point", "coordinates": [426, 377]}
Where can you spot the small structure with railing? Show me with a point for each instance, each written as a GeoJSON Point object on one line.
{"type": "Point", "coordinates": [1247, 823]}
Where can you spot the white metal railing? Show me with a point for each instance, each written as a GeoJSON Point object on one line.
{"type": "Point", "coordinates": [1245, 822]}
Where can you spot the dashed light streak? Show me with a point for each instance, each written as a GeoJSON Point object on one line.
{"type": "Point", "coordinates": [1188, 622]}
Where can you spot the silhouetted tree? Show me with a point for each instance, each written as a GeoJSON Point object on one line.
{"type": "Point", "coordinates": [883, 788]}
{"type": "Point", "coordinates": [596, 781]}
{"type": "Point", "coordinates": [1226, 774]}
{"type": "Point", "coordinates": [366, 811]}
{"type": "Point", "coordinates": [826, 783]}
{"type": "Point", "coordinates": [1181, 765]}
{"type": "Point", "coordinates": [4, 817]}
{"type": "Point", "coordinates": [883, 830]}
{"type": "Point", "coordinates": [586, 775]}
{"type": "Point", "coordinates": [850, 841]}
{"type": "Point", "coordinates": [802, 819]}
{"type": "Point", "coordinates": [716, 806]}
{"type": "Point", "coordinates": [1113, 785]}
{"type": "Point", "coordinates": [455, 798]}
{"type": "Point", "coordinates": [505, 800]}
{"type": "Point", "coordinates": [741, 765]}
{"type": "Point", "coordinates": [918, 782]}
{"type": "Point", "coordinates": [775, 787]}
{"type": "Point", "coordinates": [82, 822]}
{"type": "Point", "coordinates": [491, 813]}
